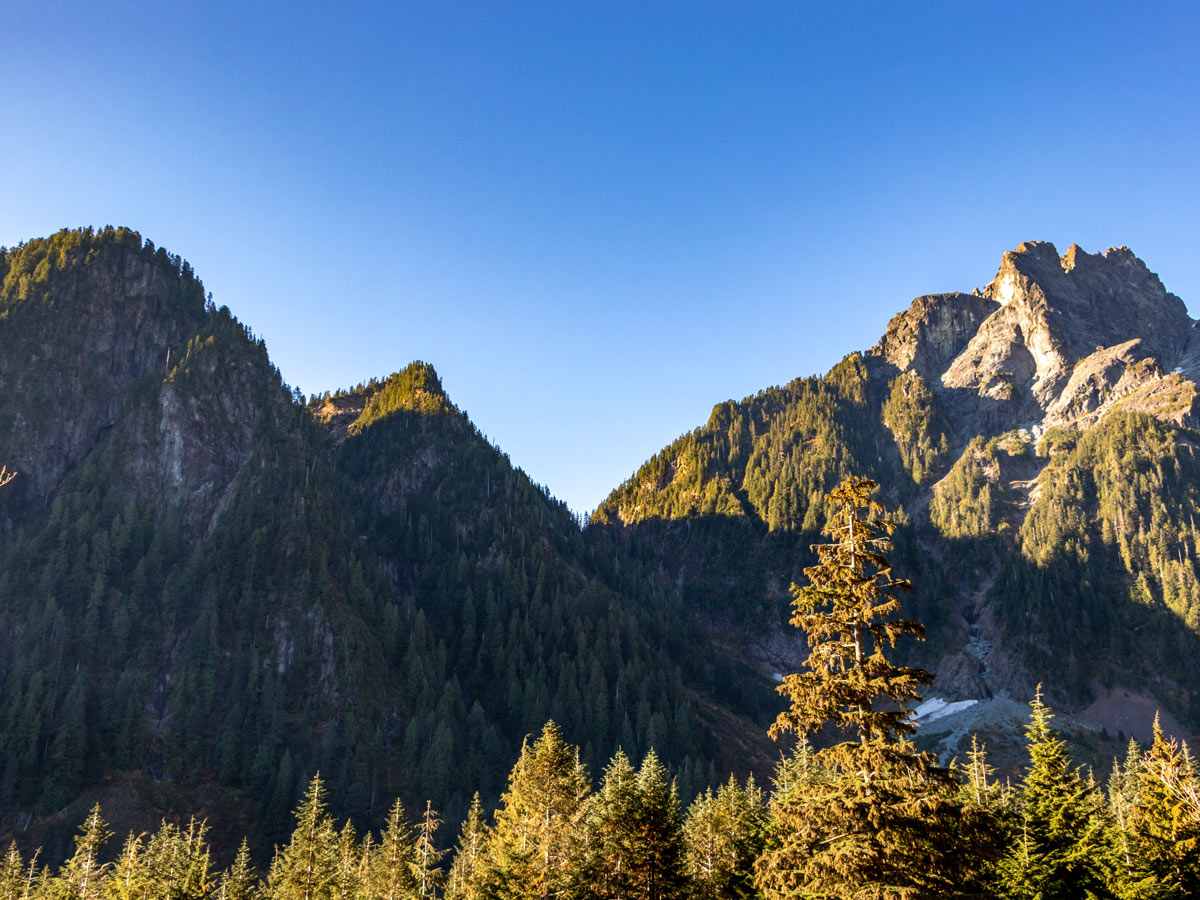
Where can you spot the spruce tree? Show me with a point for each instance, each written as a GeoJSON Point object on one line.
{"type": "Point", "coordinates": [1062, 846]}
{"type": "Point", "coordinates": [884, 821]}
{"type": "Point", "coordinates": [426, 855]}
{"type": "Point", "coordinates": [1163, 825]}
{"type": "Point", "coordinates": [723, 836]}
{"type": "Point", "coordinates": [239, 882]}
{"type": "Point", "coordinates": [609, 832]}
{"type": "Point", "coordinates": [82, 876]}
{"type": "Point", "coordinates": [658, 834]}
{"type": "Point", "coordinates": [306, 869]}
{"type": "Point", "coordinates": [390, 865]}
{"type": "Point", "coordinates": [467, 871]}
{"type": "Point", "coordinates": [15, 879]}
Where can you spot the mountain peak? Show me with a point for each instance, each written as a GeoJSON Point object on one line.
{"type": "Point", "coordinates": [415, 388]}
{"type": "Point", "coordinates": [1017, 349]}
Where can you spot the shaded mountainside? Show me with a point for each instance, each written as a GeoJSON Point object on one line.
{"type": "Point", "coordinates": [1038, 438]}
{"type": "Point", "coordinates": [209, 591]}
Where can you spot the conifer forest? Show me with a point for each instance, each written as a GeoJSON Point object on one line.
{"type": "Point", "coordinates": [924, 626]}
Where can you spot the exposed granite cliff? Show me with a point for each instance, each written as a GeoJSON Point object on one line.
{"type": "Point", "coordinates": [1052, 341]}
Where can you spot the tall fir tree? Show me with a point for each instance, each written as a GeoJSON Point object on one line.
{"type": "Point", "coordinates": [427, 857]}
{"type": "Point", "coordinates": [884, 821]}
{"type": "Point", "coordinates": [82, 876]}
{"type": "Point", "coordinates": [609, 832]}
{"type": "Point", "coordinates": [307, 868]}
{"type": "Point", "coordinates": [390, 865]}
{"type": "Point", "coordinates": [724, 834]}
{"type": "Point", "coordinates": [239, 882]}
{"type": "Point", "coordinates": [467, 869]}
{"type": "Point", "coordinates": [1162, 824]}
{"type": "Point", "coordinates": [659, 832]}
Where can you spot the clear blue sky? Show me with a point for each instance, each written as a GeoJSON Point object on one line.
{"type": "Point", "coordinates": [599, 219]}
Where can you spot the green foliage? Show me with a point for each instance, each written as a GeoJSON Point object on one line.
{"type": "Point", "coordinates": [1161, 829]}
{"type": "Point", "coordinates": [1061, 844]}
{"type": "Point", "coordinates": [911, 414]}
{"type": "Point", "coordinates": [724, 833]}
{"type": "Point", "coordinates": [628, 839]}
{"type": "Point", "coordinates": [871, 817]}
{"type": "Point", "coordinates": [533, 850]}
{"type": "Point", "coordinates": [968, 501]}
{"type": "Point", "coordinates": [632, 833]}
{"type": "Point", "coordinates": [307, 867]}
{"type": "Point", "coordinates": [1107, 576]}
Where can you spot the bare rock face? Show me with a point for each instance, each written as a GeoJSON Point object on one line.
{"type": "Point", "coordinates": [1053, 340]}
{"type": "Point", "coordinates": [932, 332]}
{"type": "Point", "coordinates": [1056, 312]}
{"type": "Point", "coordinates": [83, 363]}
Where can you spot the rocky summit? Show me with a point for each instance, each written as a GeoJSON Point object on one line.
{"type": "Point", "coordinates": [1053, 341]}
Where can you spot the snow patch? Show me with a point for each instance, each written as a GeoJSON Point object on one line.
{"type": "Point", "coordinates": [936, 708]}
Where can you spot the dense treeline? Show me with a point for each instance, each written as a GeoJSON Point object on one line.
{"type": "Point", "coordinates": [1055, 833]}
{"type": "Point", "coordinates": [868, 816]}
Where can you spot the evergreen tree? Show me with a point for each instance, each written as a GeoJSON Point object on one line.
{"type": "Point", "coordinates": [724, 834]}
{"type": "Point", "coordinates": [533, 849]}
{"type": "Point", "coordinates": [659, 833]}
{"type": "Point", "coordinates": [349, 865]}
{"type": "Point", "coordinates": [609, 832]}
{"type": "Point", "coordinates": [426, 855]}
{"type": "Point", "coordinates": [884, 820]}
{"type": "Point", "coordinates": [1062, 846]}
{"type": "Point", "coordinates": [16, 881]}
{"type": "Point", "coordinates": [127, 878]}
{"type": "Point", "coordinates": [82, 876]}
{"type": "Point", "coordinates": [1124, 789]}
{"type": "Point", "coordinates": [390, 865]}
{"type": "Point", "coordinates": [1164, 829]}
{"type": "Point", "coordinates": [239, 882]}
{"type": "Point", "coordinates": [307, 868]}
{"type": "Point", "coordinates": [467, 871]}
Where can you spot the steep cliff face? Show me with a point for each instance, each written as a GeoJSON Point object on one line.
{"type": "Point", "coordinates": [107, 348]}
{"type": "Point", "coordinates": [84, 320]}
{"type": "Point", "coordinates": [1068, 337]}
{"type": "Point", "coordinates": [928, 335]}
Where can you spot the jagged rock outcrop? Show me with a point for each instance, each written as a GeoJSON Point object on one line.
{"type": "Point", "coordinates": [928, 335]}
{"type": "Point", "coordinates": [1052, 340]}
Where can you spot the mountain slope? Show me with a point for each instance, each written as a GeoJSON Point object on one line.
{"type": "Point", "coordinates": [1037, 435]}
{"type": "Point", "coordinates": [209, 591]}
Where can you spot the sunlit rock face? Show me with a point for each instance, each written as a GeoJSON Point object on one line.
{"type": "Point", "coordinates": [1053, 339]}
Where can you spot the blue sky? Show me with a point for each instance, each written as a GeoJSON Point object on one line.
{"type": "Point", "coordinates": [598, 220]}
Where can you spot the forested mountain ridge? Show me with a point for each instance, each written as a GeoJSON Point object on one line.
{"type": "Point", "coordinates": [1038, 436]}
{"type": "Point", "coordinates": [210, 590]}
